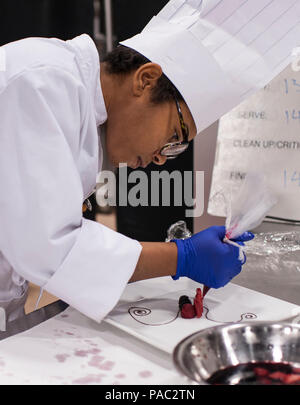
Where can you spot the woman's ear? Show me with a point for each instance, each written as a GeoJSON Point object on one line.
{"type": "Point", "coordinates": [146, 77]}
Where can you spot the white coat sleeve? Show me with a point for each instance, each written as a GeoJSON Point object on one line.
{"type": "Point", "coordinates": [42, 232]}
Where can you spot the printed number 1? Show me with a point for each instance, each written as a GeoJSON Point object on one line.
{"type": "Point", "coordinates": [285, 178]}
{"type": "Point", "coordinates": [286, 86]}
{"type": "Point", "coordinates": [287, 116]}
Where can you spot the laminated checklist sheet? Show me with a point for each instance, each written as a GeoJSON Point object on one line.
{"type": "Point", "coordinates": [228, 48]}
{"type": "Point", "coordinates": [261, 135]}
{"type": "Point", "coordinates": [252, 40]}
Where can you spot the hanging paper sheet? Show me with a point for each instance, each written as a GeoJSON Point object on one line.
{"type": "Point", "coordinates": [262, 135]}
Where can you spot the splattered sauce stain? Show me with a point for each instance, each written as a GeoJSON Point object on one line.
{"type": "Point", "coordinates": [89, 379]}
{"type": "Point", "coordinates": [107, 365]}
{"type": "Point", "coordinates": [145, 374]}
{"type": "Point", "coordinates": [85, 353]}
{"type": "Point", "coordinates": [98, 362]}
{"type": "Point", "coordinates": [120, 376]}
{"type": "Point", "coordinates": [61, 358]}
{"type": "Point", "coordinates": [91, 343]}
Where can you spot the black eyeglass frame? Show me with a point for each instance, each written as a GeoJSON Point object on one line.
{"type": "Point", "coordinates": [185, 137]}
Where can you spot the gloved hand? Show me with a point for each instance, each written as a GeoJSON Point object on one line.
{"type": "Point", "coordinates": [205, 258]}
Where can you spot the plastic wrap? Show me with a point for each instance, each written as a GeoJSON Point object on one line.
{"type": "Point", "coordinates": [249, 207]}
{"type": "Point", "coordinates": [273, 265]}
{"type": "Point", "coordinates": [178, 230]}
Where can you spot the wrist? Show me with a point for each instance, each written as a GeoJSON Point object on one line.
{"type": "Point", "coordinates": [156, 260]}
{"type": "Point", "coordinates": [181, 265]}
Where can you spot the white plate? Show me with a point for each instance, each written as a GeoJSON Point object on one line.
{"type": "Point", "coordinates": [153, 316]}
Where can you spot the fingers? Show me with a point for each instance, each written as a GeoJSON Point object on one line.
{"type": "Point", "coordinates": [239, 253]}
{"type": "Point", "coordinates": [238, 262]}
{"type": "Point", "coordinates": [245, 237]}
{"type": "Point", "coordinates": [245, 259]}
{"type": "Point", "coordinates": [234, 273]}
{"type": "Point", "coordinates": [220, 231]}
{"type": "Point", "coordinates": [233, 270]}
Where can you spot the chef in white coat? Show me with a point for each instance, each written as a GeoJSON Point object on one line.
{"type": "Point", "coordinates": [54, 96]}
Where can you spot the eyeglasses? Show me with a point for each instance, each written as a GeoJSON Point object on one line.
{"type": "Point", "coordinates": [173, 149]}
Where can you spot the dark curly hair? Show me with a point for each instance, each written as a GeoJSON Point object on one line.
{"type": "Point", "coordinates": [123, 60]}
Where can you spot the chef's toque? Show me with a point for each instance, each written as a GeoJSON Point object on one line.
{"type": "Point", "coordinates": [219, 52]}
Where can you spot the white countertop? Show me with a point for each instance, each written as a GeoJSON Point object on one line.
{"type": "Point", "coordinates": [72, 349]}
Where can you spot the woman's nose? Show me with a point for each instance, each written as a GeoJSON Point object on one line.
{"type": "Point", "coordinates": [158, 159]}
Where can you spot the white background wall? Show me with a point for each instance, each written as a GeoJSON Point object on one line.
{"type": "Point", "coordinates": [204, 157]}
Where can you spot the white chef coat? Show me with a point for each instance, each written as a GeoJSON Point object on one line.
{"type": "Point", "coordinates": [51, 104]}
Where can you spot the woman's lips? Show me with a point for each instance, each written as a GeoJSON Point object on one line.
{"type": "Point", "coordinates": [143, 165]}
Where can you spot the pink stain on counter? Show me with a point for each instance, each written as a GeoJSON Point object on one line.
{"type": "Point", "coordinates": [107, 365]}
{"type": "Point", "coordinates": [91, 343]}
{"type": "Point", "coordinates": [85, 353]}
{"type": "Point", "coordinates": [89, 379]}
{"type": "Point", "coordinates": [61, 358]}
{"type": "Point", "coordinates": [145, 374]}
{"type": "Point", "coordinates": [120, 376]}
{"type": "Point", "coordinates": [66, 332]}
{"type": "Point", "coordinates": [97, 361]}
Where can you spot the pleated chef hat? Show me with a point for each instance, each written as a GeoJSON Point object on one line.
{"type": "Point", "coordinates": [219, 52]}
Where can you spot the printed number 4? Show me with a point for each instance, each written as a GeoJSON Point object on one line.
{"type": "Point", "coordinates": [292, 115]}
{"type": "Point", "coordinates": [294, 179]}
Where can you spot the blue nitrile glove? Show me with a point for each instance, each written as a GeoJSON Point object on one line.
{"type": "Point", "coordinates": [205, 258]}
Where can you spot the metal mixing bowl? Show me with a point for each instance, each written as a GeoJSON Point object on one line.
{"type": "Point", "coordinates": [202, 354]}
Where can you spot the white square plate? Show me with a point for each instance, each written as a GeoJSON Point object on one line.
{"type": "Point", "coordinates": [149, 310]}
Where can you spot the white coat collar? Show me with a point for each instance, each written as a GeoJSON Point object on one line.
{"type": "Point", "coordinates": [90, 67]}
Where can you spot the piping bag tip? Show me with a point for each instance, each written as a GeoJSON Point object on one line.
{"type": "Point", "coordinates": [205, 290]}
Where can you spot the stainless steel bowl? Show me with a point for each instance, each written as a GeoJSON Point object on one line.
{"type": "Point", "coordinates": [204, 353]}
